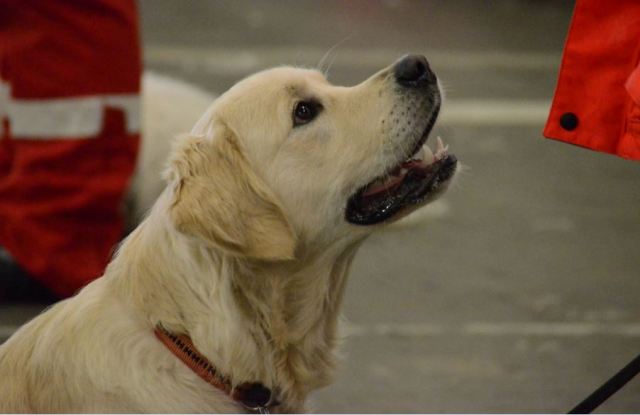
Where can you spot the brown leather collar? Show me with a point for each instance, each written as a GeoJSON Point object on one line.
{"type": "Point", "coordinates": [254, 396]}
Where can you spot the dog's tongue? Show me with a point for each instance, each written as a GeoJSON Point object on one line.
{"type": "Point", "coordinates": [380, 185]}
{"type": "Point", "coordinates": [421, 160]}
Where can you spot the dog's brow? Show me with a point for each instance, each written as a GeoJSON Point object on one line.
{"type": "Point", "coordinates": [302, 92]}
{"type": "Point", "coordinates": [295, 91]}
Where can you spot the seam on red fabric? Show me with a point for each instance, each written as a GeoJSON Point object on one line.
{"type": "Point", "coordinates": [633, 131]}
{"type": "Point", "coordinates": [634, 89]}
{"type": "Point", "coordinates": [629, 123]}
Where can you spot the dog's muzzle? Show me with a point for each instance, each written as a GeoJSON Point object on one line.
{"type": "Point", "coordinates": [419, 174]}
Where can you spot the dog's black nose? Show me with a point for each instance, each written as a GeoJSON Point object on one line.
{"type": "Point", "coordinates": [413, 71]}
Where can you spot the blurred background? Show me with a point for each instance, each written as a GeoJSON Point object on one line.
{"type": "Point", "coordinates": [518, 292]}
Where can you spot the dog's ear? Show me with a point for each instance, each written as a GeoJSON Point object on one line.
{"type": "Point", "coordinates": [220, 199]}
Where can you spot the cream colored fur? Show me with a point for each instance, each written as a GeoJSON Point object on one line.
{"type": "Point", "coordinates": [246, 250]}
{"type": "Point", "coordinates": [171, 106]}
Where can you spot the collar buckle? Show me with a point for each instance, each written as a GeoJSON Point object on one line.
{"type": "Point", "coordinates": [253, 396]}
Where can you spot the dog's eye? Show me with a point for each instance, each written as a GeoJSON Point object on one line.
{"type": "Point", "coordinates": [305, 111]}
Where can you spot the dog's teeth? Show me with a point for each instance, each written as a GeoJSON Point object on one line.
{"type": "Point", "coordinates": [428, 155]}
{"type": "Point", "coordinates": [441, 149]}
{"type": "Point", "coordinates": [440, 144]}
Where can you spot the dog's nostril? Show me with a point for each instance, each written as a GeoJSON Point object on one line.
{"type": "Point", "coordinates": [413, 71]}
{"type": "Point", "coordinates": [419, 68]}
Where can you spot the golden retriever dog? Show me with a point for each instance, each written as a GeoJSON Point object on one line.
{"type": "Point", "coordinates": [226, 298]}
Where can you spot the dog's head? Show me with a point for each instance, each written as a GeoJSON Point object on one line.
{"type": "Point", "coordinates": [284, 157]}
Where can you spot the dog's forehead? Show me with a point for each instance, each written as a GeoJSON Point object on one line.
{"type": "Point", "coordinates": [269, 90]}
{"type": "Point", "coordinates": [284, 80]}
{"type": "Point", "coordinates": [286, 74]}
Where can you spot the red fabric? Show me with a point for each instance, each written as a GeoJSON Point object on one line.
{"type": "Point", "coordinates": [60, 200]}
{"type": "Point", "coordinates": [600, 56]}
{"type": "Point", "coordinates": [633, 86]}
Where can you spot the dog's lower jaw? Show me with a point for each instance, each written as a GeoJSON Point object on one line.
{"type": "Point", "coordinates": [275, 323]}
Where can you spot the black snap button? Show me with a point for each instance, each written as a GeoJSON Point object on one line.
{"type": "Point", "coordinates": [569, 121]}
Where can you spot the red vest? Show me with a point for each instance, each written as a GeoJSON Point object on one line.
{"type": "Point", "coordinates": [597, 100]}
{"type": "Point", "coordinates": [69, 83]}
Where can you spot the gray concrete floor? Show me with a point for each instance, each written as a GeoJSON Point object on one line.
{"type": "Point", "coordinates": [523, 295]}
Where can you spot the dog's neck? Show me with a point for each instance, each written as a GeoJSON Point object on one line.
{"type": "Point", "coordinates": [275, 323]}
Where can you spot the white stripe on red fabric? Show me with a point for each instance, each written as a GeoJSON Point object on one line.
{"type": "Point", "coordinates": [65, 118]}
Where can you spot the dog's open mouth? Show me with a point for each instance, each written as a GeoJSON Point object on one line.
{"type": "Point", "coordinates": [412, 182]}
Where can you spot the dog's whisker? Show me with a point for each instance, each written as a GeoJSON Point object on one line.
{"type": "Point", "coordinates": [320, 64]}
{"type": "Point", "coordinates": [326, 72]}
{"type": "Point", "coordinates": [446, 86]}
